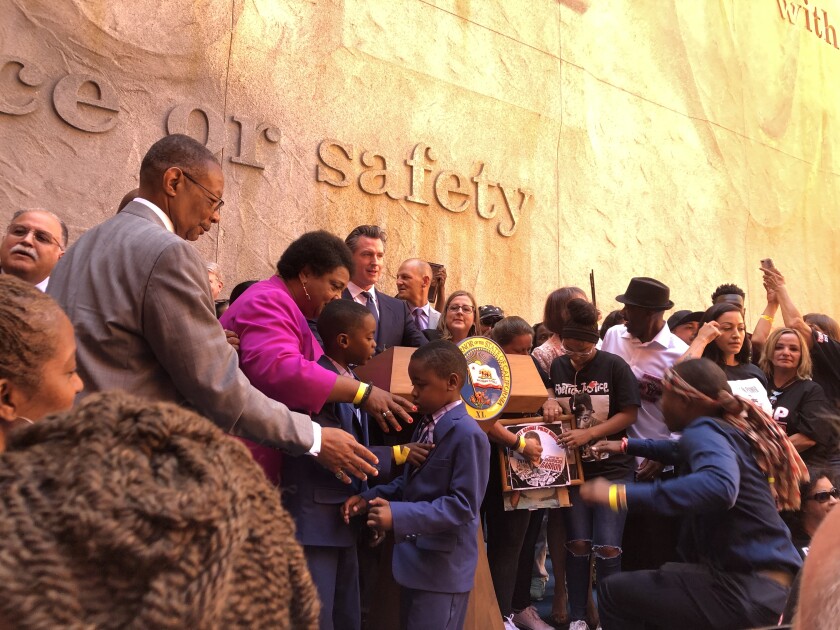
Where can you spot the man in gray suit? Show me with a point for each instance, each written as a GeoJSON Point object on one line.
{"type": "Point", "coordinates": [414, 278]}
{"type": "Point", "coordinates": [138, 296]}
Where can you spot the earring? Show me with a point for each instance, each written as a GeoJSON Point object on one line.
{"type": "Point", "coordinates": [308, 297]}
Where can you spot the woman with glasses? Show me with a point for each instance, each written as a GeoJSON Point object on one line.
{"type": "Point", "coordinates": [819, 496]}
{"type": "Point", "coordinates": [600, 390]}
{"type": "Point", "coordinates": [458, 321]}
{"type": "Point", "coordinates": [799, 404]}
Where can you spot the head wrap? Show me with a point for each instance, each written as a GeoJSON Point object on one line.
{"type": "Point", "coordinates": [773, 451]}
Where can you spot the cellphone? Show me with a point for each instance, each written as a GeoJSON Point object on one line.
{"type": "Point", "coordinates": [767, 263]}
{"type": "Point", "coordinates": [433, 290]}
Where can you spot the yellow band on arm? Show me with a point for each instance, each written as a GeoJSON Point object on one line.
{"type": "Point", "coordinates": [360, 393]}
{"type": "Point", "coordinates": [614, 498]}
{"type": "Point", "coordinates": [767, 318]}
{"type": "Point", "coordinates": [400, 454]}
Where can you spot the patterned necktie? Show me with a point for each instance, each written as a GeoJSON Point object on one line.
{"type": "Point", "coordinates": [427, 432]}
{"type": "Point", "coordinates": [371, 306]}
{"type": "Point", "coordinates": [418, 318]}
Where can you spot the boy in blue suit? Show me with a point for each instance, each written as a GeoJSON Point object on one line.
{"type": "Point", "coordinates": [433, 509]}
{"type": "Point", "coordinates": [313, 495]}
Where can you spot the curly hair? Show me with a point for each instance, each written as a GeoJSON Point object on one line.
{"type": "Point", "coordinates": [27, 331]}
{"type": "Point", "coordinates": [321, 251]}
{"type": "Point", "coordinates": [125, 513]}
{"type": "Point", "coordinates": [728, 289]}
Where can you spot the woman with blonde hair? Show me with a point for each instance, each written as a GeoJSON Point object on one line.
{"type": "Point", "coordinates": [457, 321]}
{"type": "Point", "coordinates": [799, 404]}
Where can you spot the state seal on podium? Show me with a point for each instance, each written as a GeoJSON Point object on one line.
{"type": "Point", "coordinates": [487, 389]}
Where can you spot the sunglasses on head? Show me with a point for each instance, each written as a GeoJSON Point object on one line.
{"type": "Point", "coordinates": [823, 497]}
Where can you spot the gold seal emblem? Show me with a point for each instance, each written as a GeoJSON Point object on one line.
{"type": "Point", "coordinates": [487, 390]}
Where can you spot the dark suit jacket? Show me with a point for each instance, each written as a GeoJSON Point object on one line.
{"type": "Point", "coordinates": [396, 326]}
{"type": "Point", "coordinates": [140, 302]}
{"type": "Point", "coordinates": [435, 508]}
{"type": "Point", "coordinates": [313, 495]}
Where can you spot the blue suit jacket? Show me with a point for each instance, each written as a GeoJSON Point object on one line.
{"type": "Point", "coordinates": [435, 508]}
{"type": "Point", "coordinates": [313, 495]}
{"type": "Point", "coordinates": [396, 326]}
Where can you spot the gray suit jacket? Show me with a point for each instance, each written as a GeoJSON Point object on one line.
{"type": "Point", "coordinates": [139, 299]}
{"type": "Point", "coordinates": [434, 317]}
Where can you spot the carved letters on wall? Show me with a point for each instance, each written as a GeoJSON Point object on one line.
{"type": "Point", "coordinates": [91, 104]}
{"type": "Point", "coordinates": [452, 190]}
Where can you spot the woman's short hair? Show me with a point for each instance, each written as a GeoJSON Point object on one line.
{"type": "Point", "coordinates": [444, 331]}
{"type": "Point", "coordinates": [554, 316]}
{"type": "Point", "coordinates": [825, 323]}
{"type": "Point", "coordinates": [144, 514]}
{"type": "Point", "coordinates": [320, 251]}
{"type": "Point", "coordinates": [28, 319]}
{"type": "Point", "coordinates": [805, 367]}
{"type": "Point", "coordinates": [712, 351]}
{"type": "Point", "coordinates": [509, 328]}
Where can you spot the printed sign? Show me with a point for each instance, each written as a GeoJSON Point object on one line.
{"type": "Point", "coordinates": [487, 389]}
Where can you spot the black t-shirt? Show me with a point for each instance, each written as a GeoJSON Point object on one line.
{"type": "Point", "coordinates": [600, 390]}
{"type": "Point", "coordinates": [799, 408]}
{"type": "Point", "coordinates": [826, 357]}
{"type": "Point", "coordinates": [743, 372]}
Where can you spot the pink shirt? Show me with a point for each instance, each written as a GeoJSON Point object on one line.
{"type": "Point", "coordinates": [277, 351]}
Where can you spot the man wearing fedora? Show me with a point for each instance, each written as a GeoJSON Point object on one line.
{"type": "Point", "coordinates": [650, 348]}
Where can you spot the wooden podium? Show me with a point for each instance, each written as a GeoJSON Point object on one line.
{"type": "Point", "coordinates": [389, 371]}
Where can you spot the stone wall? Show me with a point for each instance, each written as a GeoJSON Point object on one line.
{"type": "Point", "coordinates": [519, 142]}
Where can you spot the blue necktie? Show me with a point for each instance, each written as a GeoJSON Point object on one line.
{"type": "Point", "coordinates": [371, 305]}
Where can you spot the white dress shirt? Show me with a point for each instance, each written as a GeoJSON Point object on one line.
{"type": "Point", "coordinates": [648, 362]}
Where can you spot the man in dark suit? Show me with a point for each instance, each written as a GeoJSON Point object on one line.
{"type": "Point", "coordinates": [139, 298]}
{"type": "Point", "coordinates": [394, 323]}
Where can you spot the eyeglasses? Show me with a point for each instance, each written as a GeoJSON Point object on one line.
{"type": "Point", "coordinates": [573, 353]}
{"type": "Point", "coordinates": [45, 238]}
{"type": "Point", "coordinates": [217, 201]}
{"type": "Point", "coordinates": [823, 497]}
{"type": "Point", "coordinates": [465, 308]}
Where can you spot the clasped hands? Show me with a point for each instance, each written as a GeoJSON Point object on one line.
{"type": "Point", "coordinates": [378, 512]}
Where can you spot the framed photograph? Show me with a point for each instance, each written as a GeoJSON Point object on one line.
{"type": "Point", "coordinates": [554, 467]}
{"type": "Point", "coordinates": [435, 287]}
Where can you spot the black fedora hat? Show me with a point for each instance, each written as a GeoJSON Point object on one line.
{"type": "Point", "coordinates": [647, 293]}
{"type": "Point", "coordinates": [678, 318]}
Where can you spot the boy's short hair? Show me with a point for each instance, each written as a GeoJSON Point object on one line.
{"type": "Point", "coordinates": [340, 316]}
{"type": "Point", "coordinates": [443, 358]}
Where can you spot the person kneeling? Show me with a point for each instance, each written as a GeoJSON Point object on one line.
{"type": "Point", "coordinates": [433, 509]}
{"type": "Point", "coordinates": [739, 558]}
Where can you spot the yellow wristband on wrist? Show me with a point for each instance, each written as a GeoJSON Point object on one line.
{"type": "Point", "coordinates": [614, 498]}
{"type": "Point", "coordinates": [360, 393]}
{"type": "Point", "coordinates": [767, 318]}
{"type": "Point", "coordinates": [401, 454]}
{"type": "Point", "coordinates": [520, 444]}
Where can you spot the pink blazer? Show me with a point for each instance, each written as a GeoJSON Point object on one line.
{"type": "Point", "coordinates": [278, 354]}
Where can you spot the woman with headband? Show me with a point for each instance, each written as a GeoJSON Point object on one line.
{"type": "Point", "coordinates": [739, 558]}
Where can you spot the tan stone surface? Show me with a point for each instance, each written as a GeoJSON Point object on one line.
{"type": "Point", "coordinates": [682, 140]}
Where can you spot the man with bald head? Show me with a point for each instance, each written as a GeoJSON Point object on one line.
{"type": "Point", "coordinates": [414, 278]}
{"type": "Point", "coordinates": [34, 241]}
{"type": "Point", "coordinates": [138, 296]}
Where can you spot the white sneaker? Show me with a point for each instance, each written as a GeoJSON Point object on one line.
{"type": "Point", "coordinates": [529, 619]}
{"type": "Point", "coordinates": [580, 624]}
{"type": "Point", "coordinates": [508, 623]}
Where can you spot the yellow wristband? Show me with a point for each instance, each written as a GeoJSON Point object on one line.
{"type": "Point", "coordinates": [767, 318]}
{"type": "Point", "coordinates": [401, 454]}
{"type": "Point", "coordinates": [771, 480]}
{"type": "Point", "coordinates": [614, 498]}
{"type": "Point", "coordinates": [520, 444]}
{"type": "Point", "coordinates": [360, 393]}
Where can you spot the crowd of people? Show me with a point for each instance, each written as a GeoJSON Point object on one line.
{"type": "Point", "coordinates": [169, 458]}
